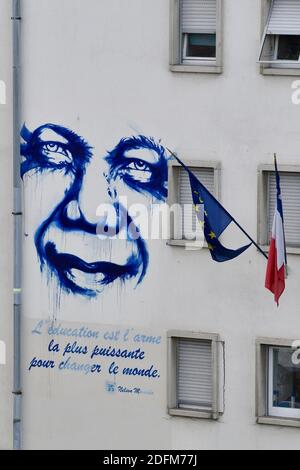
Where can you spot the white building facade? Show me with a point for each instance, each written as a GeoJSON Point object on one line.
{"type": "Point", "coordinates": [145, 342]}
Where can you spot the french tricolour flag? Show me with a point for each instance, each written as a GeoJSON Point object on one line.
{"type": "Point", "coordinates": [275, 275]}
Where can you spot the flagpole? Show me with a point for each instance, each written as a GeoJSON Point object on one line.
{"type": "Point", "coordinates": [285, 253]}
{"type": "Point", "coordinates": [229, 215]}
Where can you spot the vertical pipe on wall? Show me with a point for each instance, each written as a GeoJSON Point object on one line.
{"type": "Point", "coordinates": [17, 214]}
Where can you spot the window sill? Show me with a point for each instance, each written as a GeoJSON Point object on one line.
{"type": "Point", "coordinates": [289, 249]}
{"type": "Point", "coordinates": [280, 71]}
{"type": "Point", "coordinates": [193, 413]}
{"type": "Point", "coordinates": [189, 244]}
{"type": "Point", "coordinates": [196, 68]}
{"type": "Point", "coordinates": [276, 421]}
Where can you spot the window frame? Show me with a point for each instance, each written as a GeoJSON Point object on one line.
{"type": "Point", "coordinates": [262, 205]}
{"type": "Point", "coordinates": [190, 60]}
{"type": "Point", "coordinates": [173, 408]}
{"type": "Point", "coordinates": [274, 67]}
{"type": "Point", "coordinates": [263, 415]}
{"type": "Point", "coordinates": [277, 411]}
{"type": "Point", "coordinates": [205, 65]}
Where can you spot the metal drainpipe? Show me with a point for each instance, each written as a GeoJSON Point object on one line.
{"type": "Point", "coordinates": [17, 215]}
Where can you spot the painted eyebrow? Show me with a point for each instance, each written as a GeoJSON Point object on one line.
{"type": "Point", "coordinates": [66, 136]}
{"type": "Point", "coordinates": [145, 154]}
{"type": "Point", "coordinates": [141, 142]}
{"type": "Point", "coordinates": [135, 143]}
{"type": "Point", "coordinates": [57, 132]}
{"type": "Point", "coordinates": [51, 135]}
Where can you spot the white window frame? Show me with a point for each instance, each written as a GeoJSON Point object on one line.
{"type": "Point", "coordinates": [173, 196]}
{"type": "Point", "coordinates": [276, 410]}
{"type": "Point", "coordinates": [274, 67]}
{"type": "Point", "coordinates": [193, 64]}
{"type": "Point", "coordinates": [173, 408]}
{"type": "Point", "coordinates": [262, 208]}
{"type": "Point", "coordinates": [194, 60]}
{"type": "Point", "coordinates": [265, 413]}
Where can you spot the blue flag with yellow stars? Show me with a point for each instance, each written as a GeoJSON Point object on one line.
{"type": "Point", "coordinates": [214, 220]}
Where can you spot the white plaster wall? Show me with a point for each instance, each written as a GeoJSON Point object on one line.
{"type": "Point", "coordinates": [101, 69]}
{"type": "Point", "coordinates": [6, 228]}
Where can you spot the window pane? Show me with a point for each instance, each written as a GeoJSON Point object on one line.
{"type": "Point", "coordinates": [268, 50]}
{"type": "Point", "coordinates": [286, 379]}
{"type": "Point", "coordinates": [201, 45]}
{"type": "Point", "coordinates": [288, 47]}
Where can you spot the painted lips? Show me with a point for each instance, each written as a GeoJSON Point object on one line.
{"type": "Point", "coordinates": [81, 277]}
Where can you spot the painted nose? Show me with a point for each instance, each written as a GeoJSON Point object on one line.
{"type": "Point", "coordinates": [94, 202]}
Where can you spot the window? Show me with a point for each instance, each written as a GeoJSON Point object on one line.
{"type": "Point", "coordinates": [188, 218]}
{"type": "Point", "coordinates": [278, 382]}
{"type": "Point", "coordinates": [198, 30]}
{"type": "Point", "coordinates": [280, 46]}
{"type": "Point", "coordinates": [290, 189]}
{"type": "Point", "coordinates": [196, 35]}
{"type": "Point", "coordinates": [185, 226]}
{"type": "Point", "coordinates": [197, 46]}
{"type": "Point", "coordinates": [193, 374]}
{"type": "Point", "coordinates": [283, 383]}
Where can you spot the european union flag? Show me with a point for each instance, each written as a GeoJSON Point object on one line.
{"type": "Point", "coordinates": [214, 220]}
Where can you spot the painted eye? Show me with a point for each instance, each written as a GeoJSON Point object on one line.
{"type": "Point", "coordinates": [138, 170]}
{"type": "Point", "coordinates": [139, 165]}
{"type": "Point", "coordinates": [52, 147]}
{"type": "Point", "coordinates": [56, 153]}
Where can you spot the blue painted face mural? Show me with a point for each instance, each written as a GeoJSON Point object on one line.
{"type": "Point", "coordinates": [136, 164]}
